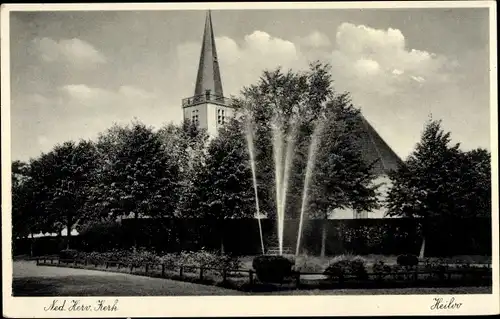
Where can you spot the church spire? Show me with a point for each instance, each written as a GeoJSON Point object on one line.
{"type": "Point", "coordinates": [208, 77]}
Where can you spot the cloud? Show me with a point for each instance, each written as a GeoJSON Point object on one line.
{"type": "Point", "coordinates": [367, 67]}
{"type": "Point", "coordinates": [74, 51]}
{"type": "Point", "coordinates": [315, 39]}
{"type": "Point", "coordinates": [368, 59]}
{"type": "Point", "coordinates": [365, 59]}
{"type": "Point", "coordinates": [98, 97]}
{"type": "Point", "coordinates": [76, 111]}
{"type": "Point", "coordinates": [418, 79]}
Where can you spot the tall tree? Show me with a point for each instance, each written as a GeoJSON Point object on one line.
{"type": "Point", "coordinates": [224, 184]}
{"type": "Point", "coordinates": [60, 183]}
{"type": "Point", "coordinates": [429, 185]}
{"type": "Point", "coordinates": [138, 176]}
{"type": "Point", "coordinates": [296, 99]}
{"type": "Point", "coordinates": [187, 145]}
{"type": "Point", "coordinates": [301, 100]}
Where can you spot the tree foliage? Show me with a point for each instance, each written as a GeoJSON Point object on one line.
{"type": "Point", "coordinates": [224, 183]}
{"type": "Point", "coordinates": [440, 181]}
{"type": "Point", "coordinates": [23, 211]}
{"type": "Point", "coordinates": [57, 187]}
{"type": "Point", "coordinates": [301, 100]}
{"type": "Point", "coordinates": [138, 175]}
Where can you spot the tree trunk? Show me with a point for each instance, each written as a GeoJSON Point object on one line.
{"type": "Point", "coordinates": [425, 230]}
{"type": "Point", "coordinates": [222, 246]}
{"type": "Point", "coordinates": [323, 239]}
{"type": "Point", "coordinates": [221, 231]}
{"type": "Point", "coordinates": [68, 235]}
{"type": "Point", "coordinates": [31, 244]}
{"type": "Point", "coordinates": [136, 231]}
{"type": "Point", "coordinates": [422, 248]}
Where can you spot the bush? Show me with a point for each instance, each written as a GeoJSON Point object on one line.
{"type": "Point", "coordinates": [141, 257]}
{"type": "Point", "coordinates": [117, 255]}
{"type": "Point", "coordinates": [306, 263]}
{"type": "Point", "coordinates": [381, 268]}
{"type": "Point", "coordinates": [438, 268]}
{"type": "Point", "coordinates": [342, 266]}
{"type": "Point", "coordinates": [407, 260]}
{"type": "Point", "coordinates": [69, 254]}
{"type": "Point", "coordinates": [95, 258]}
{"type": "Point", "coordinates": [191, 260]}
{"type": "Point", "coordinates": [170, 261]}
{"type": "Point", "coordinates": [272, 268]}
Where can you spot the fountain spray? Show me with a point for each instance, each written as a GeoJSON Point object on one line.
{"type": "Point", "coordinates": [251, 151]}
{"type": "Point", "coordinates": [311, 158]}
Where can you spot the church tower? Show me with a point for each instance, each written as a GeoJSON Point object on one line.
{"type": "Point", "coordinates": [208, 108]}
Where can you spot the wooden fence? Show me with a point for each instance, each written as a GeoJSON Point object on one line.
{"type": "Point", "coordinates": [479, 275]}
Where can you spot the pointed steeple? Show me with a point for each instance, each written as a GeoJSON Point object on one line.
{"type": "Point", "coordinates": [208, 77]}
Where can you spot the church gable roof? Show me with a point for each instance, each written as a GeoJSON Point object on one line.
{"type": "Point", "coordinates": [375, 150]}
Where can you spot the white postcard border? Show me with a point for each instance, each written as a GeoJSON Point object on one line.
{"type": "Point", "coordinates": [245, 305]}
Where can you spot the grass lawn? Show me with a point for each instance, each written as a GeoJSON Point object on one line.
{"type": "Point", "coordinates": [32, 280]}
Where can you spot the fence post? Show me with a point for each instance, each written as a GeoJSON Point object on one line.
{"type": "Point", "coordinates": [163, 270]}
{"type": "Point", "coordinates": [146, 268]}
{"type": "Point", "coordinates": [201, 273]}
{"type": "Point", "coordinates": [250, 276]}
{"type": "Point", "coordinates": [224, 275]}
{"type": "Point", "coordinates": [181, 271]}
{"type": "Point", "coordinates": [297, 280]}
{"type": "Point", "coordinates": [131, 268]}
{"type": "Point", "coordinates": [107, 265]}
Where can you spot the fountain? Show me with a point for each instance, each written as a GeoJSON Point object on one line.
{"type": "Point", "coordinates": [283, 146]}
{"type": "Point", "coordinates": [311, 158]}
{"type": "Point", "coordinates": [274, 268]}
{"type": "Point", "coordinates": [251, 151]}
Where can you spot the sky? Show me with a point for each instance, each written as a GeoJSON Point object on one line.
{"type": "Point", "coordinates": [74, 74]}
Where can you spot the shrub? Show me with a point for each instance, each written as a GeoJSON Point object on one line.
{"type": "Point", "coordinates": [342, 266]}
{"type": "Point", "coordinates": [95, 258]}
{"type": "Point", "coordinates": [407, 260]}
{"type": "Point", "coordinates": [438, 268]}
{"type": "Point", "coordinates": [381, 268]}
{"type": "Point", "coordinates": [272, 268]}
{"type": "Point", "coordinates": [398, 272]}
{"type": "Point", "coordinates": [309, 264]}
{"type": "Point", "coordinates": [191, 260]}
{"type": "Point", "coordinates": [69, 254]}
{"type": "Point", "coordinates": [141, 257]}
{"type": "Point", "coordinates": [170, 261]}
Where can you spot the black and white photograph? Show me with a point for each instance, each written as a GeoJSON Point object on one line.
{"type": "Point", "coordinates": [341, 153]}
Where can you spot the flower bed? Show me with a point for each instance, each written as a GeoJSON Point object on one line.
{"type": "Point", "coordinates": [345, 271]}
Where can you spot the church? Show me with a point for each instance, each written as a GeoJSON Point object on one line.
{"type": "Point", "coordinates": [209, 109]}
